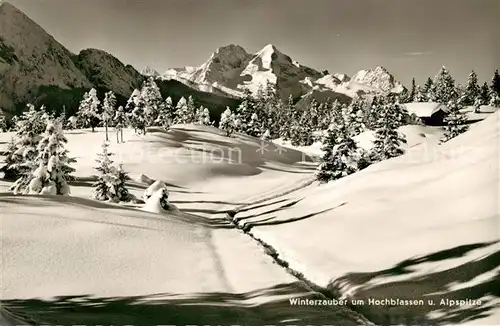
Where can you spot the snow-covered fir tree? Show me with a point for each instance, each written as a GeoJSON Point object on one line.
{"type": "Point", "coordinates": [63, 119]}
{"type": "Point", "coordinates": [152, 99]}
{"type": "Point", "coordinates": [404, 96]}
{"type": "Point", "coordinates": [313, 113]}
{"type": "Point", "coordinates": [266, 135]}
{"type": "Point", "coordinates": [110, 180]}
{"type": "Point", "coordinates": [413, 91]}
{"type": "Point", "coordinates": [118, 189]}
{"type": "Point", "coordinates": [182, 112]}
{"type": "Point", "coordinates": [324, 115]}
{"type": "Point", "coordinates": [254, 126]}
{"type": "Point", "coordinates": [401, 114]}
{"type": "Point", "coordinates": [495, 82]}
{"type": "Point", "coordinates": [301, 132]}
{"type": "Point", "coordinates": [203, 116]}
{"type": "Point", "coordinates": [494, 99]}
{"type": "Point", "coordinates": [108, 110]}
{"type": "Point", "coordinates": [131, 102]}
{"type": "Point", "coordinates": [388, 140]}
{"type": "Point", "coordinates": [340, 154]}
{"type": "Point", "coordinates": [54, 171]}
{"type": "Point", "coordinates": [72, 122]}
{"type": "Point", "coordinates": [429, 90]}
{"type": "Point", "coordinates": [10, 161]}
{"type": "Point", "coordinates": [89, 111]}
{"type": "Point", "coordinates": [191, 110]}
{"type": "Point", "coordinates": [121, 121]}
{"type": "Point", "coordinates": [484, 93]}
{"type": "Point", "coordinates": [472, 89]}
{"type": "Point", "coordinates": [3, 121]}
{"type": "Point", "coordinates": [444, 86]}
{"type": "Point", "coordinates": [419, 95]}
{"type": "Point", "coordinates": [371, 113]}
{"type": "Point", "coordinates": [137, 117]}
{"type": "Point", "coordinates": [269, 107]}
{"type": "Point", "coordinates": [228, 122]}
{"type": "Point", "coordinates": [456, 121]}
{"type": "Point", "coordinates": [287, 119]}
{"type": "Point", "coordinates": [244, 112]}
{"type": "Point", "coordinates": [29, 127]}
{"type": "Point", "coordinates": [169, 108]}
{"type": "Point", "coordinates": [13, 122]}
{"type": "Point", "coordinates": [165, 118]}
{"type": "Point", "coordinates": [478, 102]}
{"type": "Point", "coordinates": [354, 117]}
{"type": "Point", "coordinates": [33, 119]}
{"type": "Point", "coordinates": [102, 186]}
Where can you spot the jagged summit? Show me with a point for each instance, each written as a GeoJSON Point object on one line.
{"type": "Point", "coordinates": [149, 72]}
{"type": "Point", "coordinates": [230, 48]}
{"type": "Point", "coordinates": [232, 69]}
{"type": "Point", "coordinates": [378, 78]}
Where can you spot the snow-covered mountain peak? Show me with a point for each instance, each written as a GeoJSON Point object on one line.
{"type": "Point", "coordinates": [223, 65]}
{"type": "Point", "coordinates": [148, 71]}
{"type": "Point", "coordinates": [230, 49]}
{"type": "Point", "coordinates": [378, 78]}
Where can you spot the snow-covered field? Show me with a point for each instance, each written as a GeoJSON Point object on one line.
{"type": "Point", "coordinates": [418, 226]}
{"type": "Point", "coordinates": [414, 134]}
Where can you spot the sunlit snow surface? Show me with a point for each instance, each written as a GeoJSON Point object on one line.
{"type": "Point", "coordinates": [349, 235]}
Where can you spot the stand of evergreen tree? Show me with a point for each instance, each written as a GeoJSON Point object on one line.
{"type": "Point", "coordinates": [203, 116]}
{"type": "Point", "coordinates": [152, 99]}
{"type": "Point", "coordinates": [108, 110]}
{"type": "Point", "coordinates": [228, 122]}
{"type": "Point", "coordinates": [444, 86]}
{"type": "Point", "coordinates": [9, 169]}
{"type": "Point", "coordinates": [89, 111]}
{"type": "Point", "coordinates": [29, 127]}
{"type": "Point", "coordinates": [166, 116]}
{"type": "Point", "coordinates": [456, 121]}
{"type": "Point", "coordinates": [53, 164]}
{"type": "Point", "coordinates": [495, 83]}
{"type": "Point", "coordinates": [472, 89]}
{"type": "Point", "coordinates": [388, 140]}
{"type": "Point", "coordinates": [3, 121]}
{"type": "Point", "coordinates": [110, 180]}
{"type": "Point", "coordinates": [340, 158]}
{"type": "Point", "coordinates": [484, 94]}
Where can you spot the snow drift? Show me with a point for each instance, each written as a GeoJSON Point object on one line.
{"type": "Point", "coordinates": [422, 225]}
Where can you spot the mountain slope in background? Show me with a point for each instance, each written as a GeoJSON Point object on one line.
{"type": "Point", "coordinates": [30, 57]}
{"type": "Point", "coordinates": [105, 71]}
{"type": "Point", "coordinates": [230, 70]}
{"type": "Point", "coordinates": [35, 68]}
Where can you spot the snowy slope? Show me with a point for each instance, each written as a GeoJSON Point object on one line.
{"type": "Point", "coordinates": [415, 135]}
{"type": "Point", "coordinates": [203, 168]}
{"type": "Point", "coordinates": [145, 267]}
{"type": "Point", "coordinates": [74, 261]}
{"type": "Point", "coordinates": [436, 199]}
